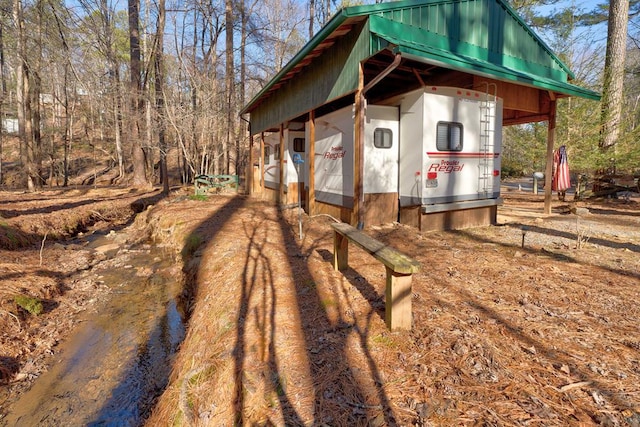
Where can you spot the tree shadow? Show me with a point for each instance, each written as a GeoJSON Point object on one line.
{"type": "Point", "coordinates": [574, 236]}
{"type": "Point", "coordinates": [556, 355]}
{"type": "Point", "coordinates": [366, 289]}
{"type": "Point", "coordinates": [352, 399]}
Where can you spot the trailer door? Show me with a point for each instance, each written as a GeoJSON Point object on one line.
{"type": "Point", "coordinates": [381, 150]}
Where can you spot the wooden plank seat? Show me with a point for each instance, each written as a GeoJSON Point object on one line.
{"type": "Point", "coordinates": [204, 183]}
{"type": "Point", "coordinates": [399, 269]}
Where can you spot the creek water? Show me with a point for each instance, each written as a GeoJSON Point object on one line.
{"type": "Point", "coordinates": [117, 360]}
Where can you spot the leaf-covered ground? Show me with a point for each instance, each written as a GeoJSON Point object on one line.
{"type": "Point", "coordinates": [531, 322]}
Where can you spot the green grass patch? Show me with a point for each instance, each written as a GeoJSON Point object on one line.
{"type": "Point", "coordinates": [192, 244]}
{"type": "Point", "coordinates": [383, 341]}
{"type": "Point", "coordinates": [199, 197]}
{"type": "Point", "coordinates": [30, 304]}
{"type": "Point", "coordinates": [328, 303]}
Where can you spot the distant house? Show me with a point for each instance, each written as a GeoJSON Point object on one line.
{"type": "Point", "coordinates": [10, 125]}
{"type": "Point", "coordinates": [394, 112]}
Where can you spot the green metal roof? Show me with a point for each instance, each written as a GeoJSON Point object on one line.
{"type": "Point", "coordinates": [482, 37]}
{"type": "Point", "coordinates": [423, 46]}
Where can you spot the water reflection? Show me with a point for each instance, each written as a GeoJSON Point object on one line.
{"type": "Point", "coordinates": [117, 362]}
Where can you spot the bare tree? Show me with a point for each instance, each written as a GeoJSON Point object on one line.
{"type": "Point", "coordinates": [135, 102]}
{"type": "Point", "coordinates": [159, 83]}
{"type": "Point", "coordinates": [23, 99]}
{"type": "Point", "coordinates": [612, 94]}
{"type": "Point", "coordinates": [228, 162]}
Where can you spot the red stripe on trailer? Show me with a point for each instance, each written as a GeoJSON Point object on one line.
{"type": "Point", "coordinates": [447, 154]}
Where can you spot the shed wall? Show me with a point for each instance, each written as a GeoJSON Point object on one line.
{"type": "Point", "coordinates": [328, 77]}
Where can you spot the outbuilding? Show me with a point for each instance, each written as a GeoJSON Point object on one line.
{"type": "Point", "coordinates": [394, 112]}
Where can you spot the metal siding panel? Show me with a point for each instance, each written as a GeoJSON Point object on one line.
{"type": "Point", "coordinates": [329, 76]}
{"type": "Point", "coordinates": [483, 30]}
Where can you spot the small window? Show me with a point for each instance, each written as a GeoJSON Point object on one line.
{"type": "Point", "coordinates": [298, 145]}
{"type": "Point", "coordinates": [449, 136]}
{"type": "Point", "coordinates": [382, 138]}
{"type": "Point", "coordinates": [276, 153]}
{"type": "Point", "coordinates": [267, 154]}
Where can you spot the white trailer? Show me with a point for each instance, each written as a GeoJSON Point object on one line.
{"type": "Point", "coordinates": [334, 154]}
{"type": "Point", "coordinates": [294, 139]}
{"type": "Point", "coordinates": [433, 151]}
{"type": "Point", "coordinates": [450, 149]}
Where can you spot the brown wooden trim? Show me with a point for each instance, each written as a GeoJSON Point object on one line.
{"type": "Point", "coordinates": [551, 136]}
{"type": "Point", "coordinates": [311, 202]}
{"type": "Point", "coordinates": [358, 163]}
{"type": "Point", "coordinates": [281, 196]}
{"type": "Point", "coordinates": [262, 165]}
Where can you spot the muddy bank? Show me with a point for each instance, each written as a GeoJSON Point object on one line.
{"type": "Point", "coordinates": [66, 276]}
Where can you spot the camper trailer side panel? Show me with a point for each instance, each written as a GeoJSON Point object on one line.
{"type": "Point", "coordinates": [291, 172]}
{"type": "Point", "coordinates": [456, 172]}
{"type": "Point", "coordinates": [461, 134]}
{"type": "Point", "coordinates": [381, 150]}
{"type": "Point", "coordinates": [271, 161]}
{"type": "Point", "coordinates": [411, 153]}
{"type": "Point", "coordinates": [334, 159]}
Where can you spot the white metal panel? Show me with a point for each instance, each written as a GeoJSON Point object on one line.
{"type": "Point", "coordinates": [272, 166]}
{"type": "Point", "coordinates": [291, 173]}
{"type": "Point", "coordinates": [381, 164]}
{"type": "Point", "coordinates": [411, 142]}
{"type": "Point", "coordinates": [457, 172]}
{"type": "Point", "coordinates": [334, 160]}
{"type": "Point", "coordinates": [459, 175]}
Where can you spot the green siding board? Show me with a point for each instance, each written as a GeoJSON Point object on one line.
{"type": "Point", "coordinates": [325, 78]}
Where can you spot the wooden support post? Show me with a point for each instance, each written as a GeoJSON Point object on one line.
{"type": "Point", "coordinates": [262, 163]}
{"type": "Point", "coordinates": [340, 251]}
{"type": "Point", "coordinates": [281, 196]}
{"type": "Point", "coordinates": [358, 152]}
{"type": "Point", "coordinates": [551, 136]}
{"type": "Point", "coordinates": [398, 301]}
{"type": "Point", "coordinates": [249, 173]}
{"type": "Point", "coordinates": [311, 194]}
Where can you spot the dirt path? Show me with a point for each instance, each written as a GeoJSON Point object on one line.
{"type": "Point", "coordinates": [543, 333]}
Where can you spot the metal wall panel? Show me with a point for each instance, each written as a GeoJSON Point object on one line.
{"type": "Point", "coordinates": [327, 77]}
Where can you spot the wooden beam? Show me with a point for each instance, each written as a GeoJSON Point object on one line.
{"type": "Point", "coordinates": [262, 163]}
{"type": "Point", "coordinates": [358, 152]}
{"type": "Point", "coordinates": [551, 136]}
{"type": "Point", "coordinates": [418, 76]}
{"type": "Point", "coordinates": [311, 194]}
{"type": "Point", "coordinates": [397, 313]}
{"type": "Point", "coordinates": [514, 96]}
{"type": "Point", "coordinates": [281, 197]}
{"type": "Point", "coordinates": [250, 190]}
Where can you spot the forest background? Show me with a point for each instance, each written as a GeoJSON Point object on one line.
{"type": "Point", "coordinates": [155, 87]}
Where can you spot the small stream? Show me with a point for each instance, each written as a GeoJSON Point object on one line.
{"type": "Point", "coordinates": [117, 361]}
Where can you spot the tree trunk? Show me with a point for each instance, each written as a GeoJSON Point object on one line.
{"type": "Point", "coordinates": [137, 106]}
{"type": "Point", "coordinates": [228, 163]}
{"type": "Point", "coordinates": [3, 94]}
{"type": "Point", "coordinates": [36, 126]}
{"type": "Point", "coordinates": [612, 96]}
{"type": "Point", "coordinates": [312, 11]}
{"type": "Point", "coordinates": [159, 72]}
{"type": "Point", "coordinates": [22, 98]}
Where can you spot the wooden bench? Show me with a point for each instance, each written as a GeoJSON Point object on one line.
{"type": "Point", "coordinates": [204, 183]}
{"type": "Point", "coordinates": [399, 267]}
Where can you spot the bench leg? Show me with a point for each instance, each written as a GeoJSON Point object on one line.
{"type": "Point", "coordinates": [340, 251]}
{"type": "Point", "coordinates": [397, 310]}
